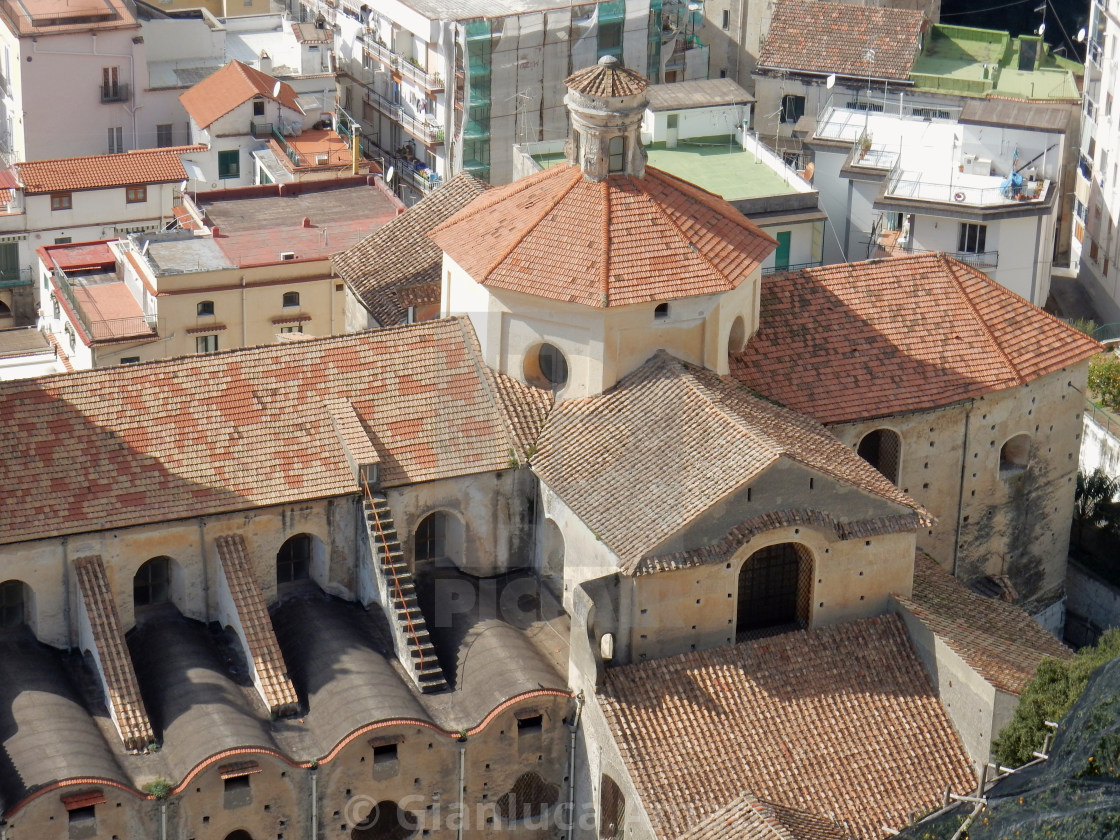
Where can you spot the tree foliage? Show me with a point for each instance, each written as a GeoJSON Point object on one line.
{"type": "Point", "coordinates": [1095, 503]}
{"type": "Point", "coordinates": [1104, 379]}
{"type": "Point", "coordinates": [1055, 688]}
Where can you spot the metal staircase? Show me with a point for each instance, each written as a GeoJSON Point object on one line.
{"type": "Point", "coordinates": [398, 589]}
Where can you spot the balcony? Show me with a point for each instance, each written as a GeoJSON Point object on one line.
{"type": "Point", "coordinates": [428, 133]}
{"type": "Point", "coordinates": [113, 93]}
{"type": "Point", "coordinates": [788, 269]}
{"type": "Point", "coordinates": [104, 329]}
{"type": "Point", "coordinates": [402, 64]}
{"type": "Point", "coordinates": [15, 277]}
{"type": "Point", "coordinates": [965, 190]}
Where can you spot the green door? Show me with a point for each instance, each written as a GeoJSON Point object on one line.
{"type": "Point", "coordinates": [9, 261]}
{"type": "Point", "coordinates": [781, 256]}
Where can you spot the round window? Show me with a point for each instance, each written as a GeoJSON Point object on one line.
{"type": "Point", "coordinates": [553, 365]}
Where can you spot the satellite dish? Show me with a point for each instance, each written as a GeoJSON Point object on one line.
{"type": "Point", "coordinates": [389, 175]}
{"type": "Point", "coordinates": [1081, 33]}
{"type": "Point", "coordinates": [830, 81]}
{"type": "Point", "coordinates": [1042, 28]}
{"type": "Point", "coordinates": [276, 90]}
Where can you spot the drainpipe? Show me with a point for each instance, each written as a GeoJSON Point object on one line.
{"type": "Point", "coordinates": [462, 785]}
{"type": "Point", "coordinates": [960, 490]}
{"type": "Point", "coordinates": [573, 729]}
{"type": "Point", "coordinates": [163, 819]}
{"type": "Point", "coordinates": [244, 338]}
{"type": "Point", "coordinates": [314, 804]}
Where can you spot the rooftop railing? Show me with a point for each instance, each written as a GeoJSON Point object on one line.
{"type": "Point", "coordinates": [104, 328]}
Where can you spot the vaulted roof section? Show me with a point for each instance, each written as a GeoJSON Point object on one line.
{"type": "Point", "coordinates": [639, 463]}
{"type": "Point", "coordinates": [809, 36]}
{"type": "Point", "coordinates": [620, 241]}
{"type": "Point", "coordinates": [245, 429]}
{"type": "Point", "coordinates": [862, 340]}
{"type": "Point", "coordinates": [218, 94]}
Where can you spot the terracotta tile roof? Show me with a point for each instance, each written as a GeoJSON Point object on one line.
{"type": "Point", "coordinates": [746, 818]}
{"type": "Point", "coordinates": [623, 240]}
{"type": "Point", "coordinates": [98, 172]}
{"type": "Point", "coordinates": [121, 686]}
{"type": "Point", "coordinates": [221, 92]}
{"type": "Point", "coordinates": [265, 658]}
{"type": "Point", "coordinates": [839, 721]}
{"type": "Point", "coordinates": [998, 640]}
{"type": "Point", "coordinates": [816, 37]}
{"type": "Point", "coordinates": [384, 268]}
{"type": "Point", "coordinates": [607, 456]}
{"type": "Point", "coordinates": [863, 340]}
{"type": "Point", "coordinates": [249, 428]}
{"type": "Point", "coordinates": [607, 78]}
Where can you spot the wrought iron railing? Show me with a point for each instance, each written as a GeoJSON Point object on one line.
{"type": "Point", "coordinates": [15, 277]}
{"type": "Point", "coordinates": [791, 267]}
{"type": "Point", "coordinates": [402, 64]}
{"type": "Point", "coordinates": [114, 93]}
{"type": "Point", "coordinates": [428, 133]}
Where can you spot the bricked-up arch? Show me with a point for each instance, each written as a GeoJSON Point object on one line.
{"type": "Point", "coordinates": [530, 796]}
{"type": "Point", "coordinates": [385, 821]}
{"type": "Point", "coordinates": [775, 590]}
{"type": "Point", "coordinates": [882, 449]}
{"type": "Point", "coordinates": [612, 809]}
{"type": "Point", "coordinates": [16, 600]}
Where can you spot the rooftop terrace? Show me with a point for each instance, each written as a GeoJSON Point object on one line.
{"type": "Point", "coordinates": [983, 62]}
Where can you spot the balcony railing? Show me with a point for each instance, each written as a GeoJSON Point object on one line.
{"type": "Point", "coordinates": [402, 64]}
{"type": "Point", "coordinates": [113, 93]}
{"type": "Point", "coordinates": [787, 269]}
{"type": "Point", "coordinates": [964, 194]}
{"type": "Point", "coordinates": [15, 277]}
{"type": "Point", "coordinates": [427, 132]}
{"type": "Point", "coordinates": [105, 328]}
{"type": "Point", "coordinates": [983, 260]}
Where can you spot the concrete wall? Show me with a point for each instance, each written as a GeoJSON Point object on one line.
{"type": "Point", "coordinates": [1091, 599]}
{"type": "Point", "coordinates": [1015, 524]}
{"type": "Point", "coordinates": [601, 345]}
{"type": "Point", "coordinates": [490, 508]}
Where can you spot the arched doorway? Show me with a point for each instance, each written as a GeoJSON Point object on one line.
{"type": "Point", "coordinates": [439, 536]}
{"type": "Point", "coordinates": [240, 834]}
{"type": "Point", "coordinates": [775, 588]}
{"type": "Point", "coordinates": [385, 821]}
{"type": "Point", "coordinates": [15, 603]}
{"type": "Point", "coordinates": [293, 560]}
{"type": "Point", "coordinates": [151, 585]}
{"type": "Point", "coordinates": [882, 449]}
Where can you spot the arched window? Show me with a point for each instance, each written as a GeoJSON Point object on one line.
{"type": "Point", "coordinates": [546, 367]}
{"type": "Point", "coordinates": [385, 821]}
{"type": "Point", "coordinates": [151, 584]}
{"type": "Point", "coordinates": [205, 307]}
{"type": "Point", "coordinates": [1014, 456]}
{"type": "Point", "coordinates": [881, 448]}
{"type": "Point", "coordinates": [240, 834]}
{"type": "Point", "coordinates": [293, 560]}
{"type": "Point", "coordinates": [612, 809]}
{"type": "Point", "coordinates": [291, 298]}
{"type": "Point", "coordinates": [14, 599]}
{"type": "Point", "coordinates": [775, 587]}
{"type": "Point", "coordinates": [530, 796]}
{"type": "Point", "coordinates": [616, 155]}
{"type": "Point", "coordinates": [661, 312]}
{"type": "Point", "coordinates": [431, 537]}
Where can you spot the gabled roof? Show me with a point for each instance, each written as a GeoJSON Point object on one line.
{"type": "Point", "coordinates": [385, 269]}
{"type": "Point", "coordinates": [862, 340]}
{"type": "Point", "coordinates": [218, 94]}
{"type": "Point", "coordinates": [998, 640]}
{"type": "Point", "coordinates": [814, 37]}
{"type": "Point", "coordinates": [620, 241]}
{"type": "Point", "coordinates": [136, 168]}
{"type": "Point", "coordinates": [244, 429]}
{"type": "Point", "coordinates": [640, 462]}
{"type": "Point", "coordinates": [839, 721]}
{"type": "Point", "coordinates": [747, 818]}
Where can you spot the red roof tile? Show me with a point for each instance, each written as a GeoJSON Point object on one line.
{"type": "Point", "coordinates": [244, 429]}
{"type": "Point", "coordinates": [263, 652]}
{"type": "Point", "coordinates": [998, 640]}
{"type": "Point", "coordinates": [605, 455]}
{"type": "Point", "coordinates": [746, 818]}
{"type": "Point", "coordinates": [840, 721]}
{"type": "Point", "coordinates": [817, 37]}
{"type": "Point", "coordinates": [862, 340]}
{"type": "Point", "coordinates": [121, 685]}
{"type": "Point", "coordinates": [607, 78]}
{"type": "Point", "coordinates": [96, 172]}
{"type": "Point", "coordinates": [620, 241]}
{"type": "Point", "coordinates": [218, 94]}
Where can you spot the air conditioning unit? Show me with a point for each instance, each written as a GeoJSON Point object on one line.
{"type": "Point", "coordinates": [322, 160]}
{"type": "Point", "coordinates": [287, 255]}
